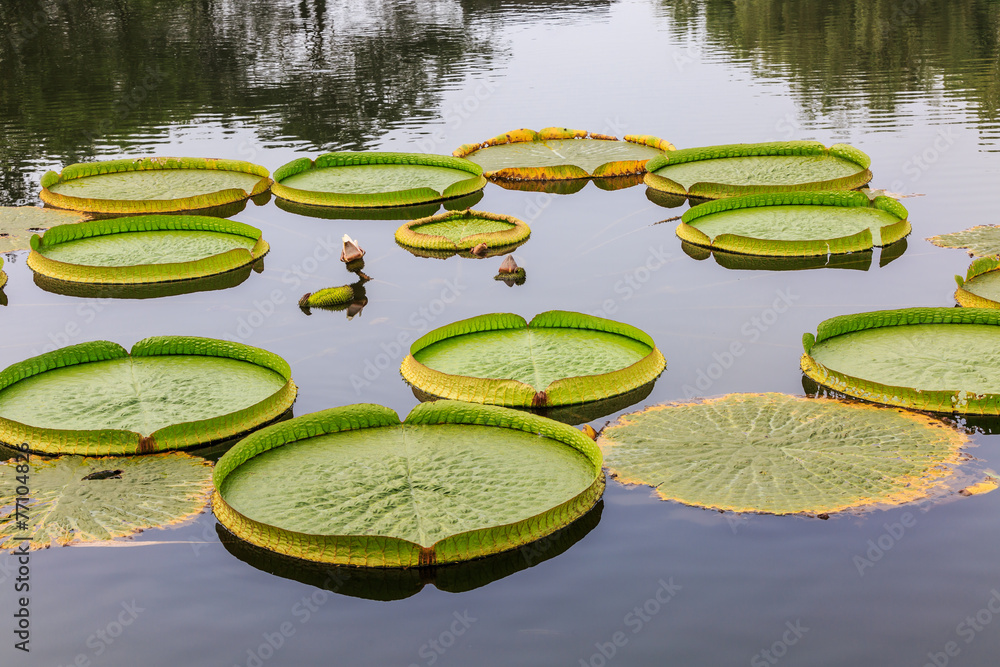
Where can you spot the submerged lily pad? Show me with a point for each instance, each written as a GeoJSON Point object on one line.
{"type": "Point", "coordinates": [937, 359]}
{"type": "Point", "coordinates": [557, 153]}
{"type": "Point", "coordinates": [145, 249]}
{"type": "Point", "coordinates": [455, 481]}
{"type": "Point", "coordinates": [153, 185]}
{"type": "Point", "coordinates": [371, 179]}
{"type": "Point", "coordinates": [981, 286]}
{"type": "Point", "coordinates": [980, 241]}
{"type": "Point", "coordinates": [714, 172]}
{"type": "Point", "coordinates": [19, 223]}
{"type": "Point", "coordinates": [171, 392]}
{"type": "Point", "coordinates": [559, 358]}
{"type": "Point", "coordinates": [795, 224]}
{"type": "Point", "coordinates": [74, 499]}
{"type": "Point", "coordinates": [455, 231]}
{"type": "Point", "coordinates": [781, 454]}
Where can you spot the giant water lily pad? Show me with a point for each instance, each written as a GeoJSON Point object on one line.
{"type": "Point", "coordinates": [145, 249]}
{"type": "Point", "coordinates": [153, 185]}
{"type": "Point", "coordinates": [455, 481]}
{"type": "Point", "coordinates": [714, 172]}
{"type": "Point", "coordinates": [980, 241]}
{"type": "Point", "coordinates": [981, 286]}
{"type": "Point", "coordinates": [559, 358]}
{"type": "Point", "coordinates": [795, 224]}
{"type": "Point", "coordinates": [455, 231]}
{"type": "Point", "coordinates": [781, 454]}
{"type": "Point", "coordinates": [19, 223]}
{"type": "Point", "coordinates": [375, 179]}
{"type": "Point", "coordinates": [938, 359]}
{"type": "Point", "coordinates": [147, 290]}
{"type": "Point", "coordinates": [558, 153]}
{"type": "Point", "coordinates": [83, 499]}
{"type": "Point", "coordinates": [170, 392]}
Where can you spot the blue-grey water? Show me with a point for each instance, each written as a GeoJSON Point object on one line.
{"type": "Point", "coordinates": [916, 85]}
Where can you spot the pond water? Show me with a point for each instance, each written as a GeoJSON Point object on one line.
{"type": "Point", "coordinates": [916, 85]}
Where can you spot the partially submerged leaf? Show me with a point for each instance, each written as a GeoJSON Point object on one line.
{"type": "Point", "coordinates": [19, 223]}
{"type": "Point", "coordinates": [981, 286]}
{"type": "Point", "coordinates": [988, 485]}
{"type": "Point", "coordinates": [455, 481]}
{"type": "Point", "coordinates": [781, 454]}
{"type": "Point", "coordinates": [981, 240]}
{"type": "Point", "coordinates": [70, 501]}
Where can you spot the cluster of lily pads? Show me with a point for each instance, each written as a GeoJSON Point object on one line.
{"type": "Point", "coordinates": [466, 475]}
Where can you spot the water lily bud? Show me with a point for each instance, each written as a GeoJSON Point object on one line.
{"type": "Point", "coordinates": [480, 250]}
{"type": "Point", "coordinates": [352, 251]}
{"type": "Point", "coordinates": [509, 265]}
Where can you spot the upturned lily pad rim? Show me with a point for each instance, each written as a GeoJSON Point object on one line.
{"type": "Point", "coordinates": [346, 159]}
{"type": "Point", "coordinates": [746, 245]}
{"type": "Point", "coordinates": [963, 296]}
{"type": "Point", "coordinates": [954, 438]}
{"type": "Point", "coordinates": [957, 401]}
{"type": "Point", "coordinates": [711, 190]}
{"type": "Point", "coordinates": [408, 236]}
{"type": "Point", "coordinates": [384, 551]}
{"type": "Point", "coordinates": [117, 442]}
{"type": "Point", "coordinates": [144, 273]}
{"type": "Point", "coordinates": [130, 206]}
{"type": "Point", "coordinates": [513, 393]}
{"type": "Point", "coordinates": [3, 276]}
{"type": "Point", "coordinates": [563, 172]}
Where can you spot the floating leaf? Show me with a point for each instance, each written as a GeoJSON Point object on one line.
{"type": "Point", "coordinates": [714, 172]}
{"type": "Point", "coordinates": [981, 241]}
{"type": "Point", "coordinates": [145, 249]}
{"type": "Point", "coordinates": [374, 179]}
{"type": "Point", "coordinates": [988, 485]}
{"type": "Point", "coordinates": [981, 286]}
{"type": "Point", "coordinates": [65, 506]}
{"type": "Point", "coordinates": [153, 185]}
{"type": "Point", "coordinates": [455, 231]}
{"type": "Point", "coordinates": [782, 454]}
{"type": "Point", "coordinates": [560, 153]}
{"type": "Point", "coordinates": [455, 481]}
{"type": "Point", "coordinates": [938, 359]}
{"type": "Point", "coordinates": [3, 276]}
{"type": "Point", "coordinates": [795, 224]}
{"type": "Point", "coordinates": [559, 358]}
{"type": "Point", "coordinates": [19, 223]}
{"type": "Point", "coordinates": [171, 392]}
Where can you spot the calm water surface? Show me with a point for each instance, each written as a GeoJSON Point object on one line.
{"type": "Point", "coordinates": [915, 85]}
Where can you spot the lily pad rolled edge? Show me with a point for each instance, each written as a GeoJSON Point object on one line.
{"type": "Point", "coordinates": [93, 205]}
{"type": "Point", "coordinates": [3, 276]}
{"type": "Point", "coordinates": [563, 172]}
{"type": "Point", "coordinates": [745, 245]}
{"type": "Point", "coordinates": [513, 393]}
{"type": "Point", "coordinates": [407, 236]}
{"type": "Point", "coordinates": [942, 401]}
{"type": "Point", "coordinates": [144, 273]}
{"type": "Point", "coordinates": [474, 183]}
{"type": "Point", "coordinates": [710, 190]}
{"type": "Point", "coordinates": [117, 442]}
{"type": "Point", "coordinates": [962, 295]}
{"type": "Point", "coordinates": [383, 551]}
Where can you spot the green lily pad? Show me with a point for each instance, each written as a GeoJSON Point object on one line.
{"type": "Point", "coordinates": [153, 185]}
{"type": "Point", "coordinates": [171, 392]}
{"type": "Point", "coordinates": [64, 506]}
{"type": "Point", "coordinates": [559, 358]}
{"type": "Point", "coordinates": [781, 454]}
{"type": "Point", "coordinates": [980, 241]}
{"type": "Point", "coordinates": [714, 172]}
{"type": "Point", "coordinates": [145, 249]}
{"type": "Point", "coordinates": [455, 231]}
{"type": "Point", "coordinates": [349, 179]}
{"type": "Point", "coordinates": [938, 359]}
{"type": "Point", "coordinates": [981, 286]}
{"type": "Point", "coordinates": [795, 224]}
{"type": "Point", "coordinates": [19, 223]}
{"type": "Point", "coordinates": [556, 153]}
{"type": "Point", "coordinates": [3, 276]}
{"type": "Point", "coordinates": [455, 481]}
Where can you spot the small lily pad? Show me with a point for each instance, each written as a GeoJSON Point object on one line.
{"type": "Point", "coordinates": [714, 172]}
{"type": "Point", "coordinates": [780, 454]}
{"type": "Point", "coordinates": [981, 286]}
{"type": "Point", "coordinates": [455, 231]}
{"type": "Point", "coordinates": [153, 185]}
{"type": "Point", "coordinates": [69, 500]}
{"type": "Point", "coordinates": [557, 153]}
{"type": "Point", "coordinates": [980, 241]}
{"type": "Point", "coordinates": [19, 223]}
